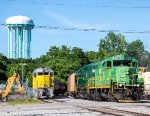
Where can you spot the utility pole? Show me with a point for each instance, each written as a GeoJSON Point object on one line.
{"type": "Point", "coordinates": [22, 64]}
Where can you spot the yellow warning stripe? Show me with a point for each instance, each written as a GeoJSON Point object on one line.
{"type": "Point", "coordinates": [128, 101]}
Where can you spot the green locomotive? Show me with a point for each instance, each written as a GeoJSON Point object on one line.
{"type": "Point", "coordinates": [115, 78]}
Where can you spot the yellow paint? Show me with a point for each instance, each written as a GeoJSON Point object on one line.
{"type": "Point", "coordinates": [99, 87]}
{"type": "Point", "coordinates": [41, 81]}
{"type": "Point", "coordinates": [128, 101]}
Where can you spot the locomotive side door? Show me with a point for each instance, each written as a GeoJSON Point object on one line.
{"type": "Point", "coordinates": [103, 71]}
{"type": "Point", "coordinates": [108, 72]}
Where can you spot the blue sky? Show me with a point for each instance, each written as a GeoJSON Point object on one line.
{"type": "Point", "coordinates": [122, 15]}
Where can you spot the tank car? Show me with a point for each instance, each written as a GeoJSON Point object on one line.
{"type": "Point", "coordinates": [115, 78]}
{"type": "Point", "coordinates": [71, 85]}
{"type": "Point", "coordinates": [43, 83]}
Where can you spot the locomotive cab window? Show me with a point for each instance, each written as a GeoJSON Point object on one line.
{"type": "Point", "coordinates": [126, 63]}
{"type": "Point", "coordinates": [34, 74]}
{"type": "Point", "coordinates": [46, 73]}
{"type": "Point", "coordinates": [39, 73]}
{"type": "Point", "coordinates": [108, 64]}
{"type": "Point", "coordinates": [104, 64]}
{"type": "Point", "coordinates": [122, 63]}
{"type": "Point", "coordinates": [117, 63]}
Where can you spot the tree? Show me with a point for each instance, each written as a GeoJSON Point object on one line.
{"type": "Point", "coordinates": [136, 49]}
{"type": "Point", "coordinates": [145, 59]}
{"type": "Point", "coordinates": [79, 57]}
{"type": "Point", "coordinates": [3, 67]}
{"type": "Point", "coordinates": [53, 52]}
{"type": "Point", "coordinates": [3, 62]}
{"type": "Point", "coordinates": [92, 56]}
{"type": "Point", "coordinates": [64, 60]}
{"type": "Point", "coordinates": [111, 45]}
{"type": "Point", "coordinates": [13, 65]}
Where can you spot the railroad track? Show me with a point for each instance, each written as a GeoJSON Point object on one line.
{"type": "Point", "coordinates": [110, 111]}
{"type": "Point", "coordinates": [102, 110]}
{"type": "Point", "coordinates": [50, 100]}
{"type": "Point", "coordinates": [46, 100]}
{"type": "Point", "coordinates": [114, 112]}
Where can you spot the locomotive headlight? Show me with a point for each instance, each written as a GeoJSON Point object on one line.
{"type": "Point", "coordinates": [120, 84]}
{"type": "Point", "coordinates": [137, 85]}
{"type": "Point", "coordinates": [127, 69]}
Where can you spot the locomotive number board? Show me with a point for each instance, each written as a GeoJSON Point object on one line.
{"type": "Point", "coordinates": [118, 57]}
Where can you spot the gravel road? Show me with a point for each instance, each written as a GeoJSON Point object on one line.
{"type": "Point", "coordinates": [64, 106]}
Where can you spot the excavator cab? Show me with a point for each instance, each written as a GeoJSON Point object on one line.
{"type": "Point", "coordinates": [10, 81]}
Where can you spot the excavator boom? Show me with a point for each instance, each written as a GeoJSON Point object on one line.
{"type": "Point", "coordinates": [9, 84]}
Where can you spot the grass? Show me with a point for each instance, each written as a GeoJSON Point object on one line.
{"type": "Point", "coordinates": [24, 102]}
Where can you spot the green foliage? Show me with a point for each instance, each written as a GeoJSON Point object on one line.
{"type": "Point", "coordinates": [3, 67]}
{"type": "Point", "coordinates": [92, 56]}
{"type": "Point", "coordinates": [66, 60]}
{"type": "Point", "coordinates": [136, 49]}
{"type": "Point", "coordinates": [3, 60]}
{"type": "Point", "coordinates": [14, 65]}
{"type": "Point", "coordinates": [114, 44]}
{"type": "Point", "coordinates": [24, 102]}
{"type": "Point", "coordinates": [3, 77]}
{"type": "Point", "coordinates": [111, 45]}
{"type": "Point", "coordinates": [62, 60]}
{"type": "Point", "coordinates": [145, 59]}
{"type": "Point", "coordinates": [148, 66]}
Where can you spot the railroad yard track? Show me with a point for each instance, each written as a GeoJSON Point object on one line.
{"type": "Point", "coordinates": [106, 110]}
{"type": "Point", "coordinates": [102, 110]}
{"type": "Point", "coordinates": [67, 106]}
{"type": "Point", "coordinates": [115, 112]}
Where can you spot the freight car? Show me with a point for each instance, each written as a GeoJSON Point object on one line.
{"type": "Point", "coordinates": [71, 85]}
{"type": "Point", "coordinates": [59, 88]}
{"type": "Point", "coordinates": [115, 78]}
{"type": "Point", "coordinates": [43, 83]}
{"type": "Point", "coordinates": [143, 73]}
{"type": "Point", "coordinates": [146, 77]}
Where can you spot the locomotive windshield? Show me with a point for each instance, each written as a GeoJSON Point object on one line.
{"type": "Point", "coordinates": [43, 73]}
{"type": "Point", "coordinates": [125, 63]}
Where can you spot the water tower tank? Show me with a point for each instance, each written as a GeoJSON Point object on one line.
{"type": "Point", "coordinates": [19, 36]}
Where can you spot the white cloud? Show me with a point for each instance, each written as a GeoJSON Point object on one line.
{"type": "Point", "coordinates": [71, 23]}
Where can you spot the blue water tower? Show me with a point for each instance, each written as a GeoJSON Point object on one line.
{"type": "Point", "coordinates": [19, 36]}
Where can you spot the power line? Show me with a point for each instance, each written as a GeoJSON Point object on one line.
{"type": "Point", "coordinates": [79, 5]}
{"type": "Point", "coordinates": [86, 29]}
{"type": "Point", "coordinates": [2, 24]}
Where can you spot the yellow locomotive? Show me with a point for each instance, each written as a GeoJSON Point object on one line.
{"type": "Point", "coordinates": [43, 83]}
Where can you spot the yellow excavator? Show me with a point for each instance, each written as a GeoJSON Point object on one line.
{"type": "Point", "coordinates": [15, 77]}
